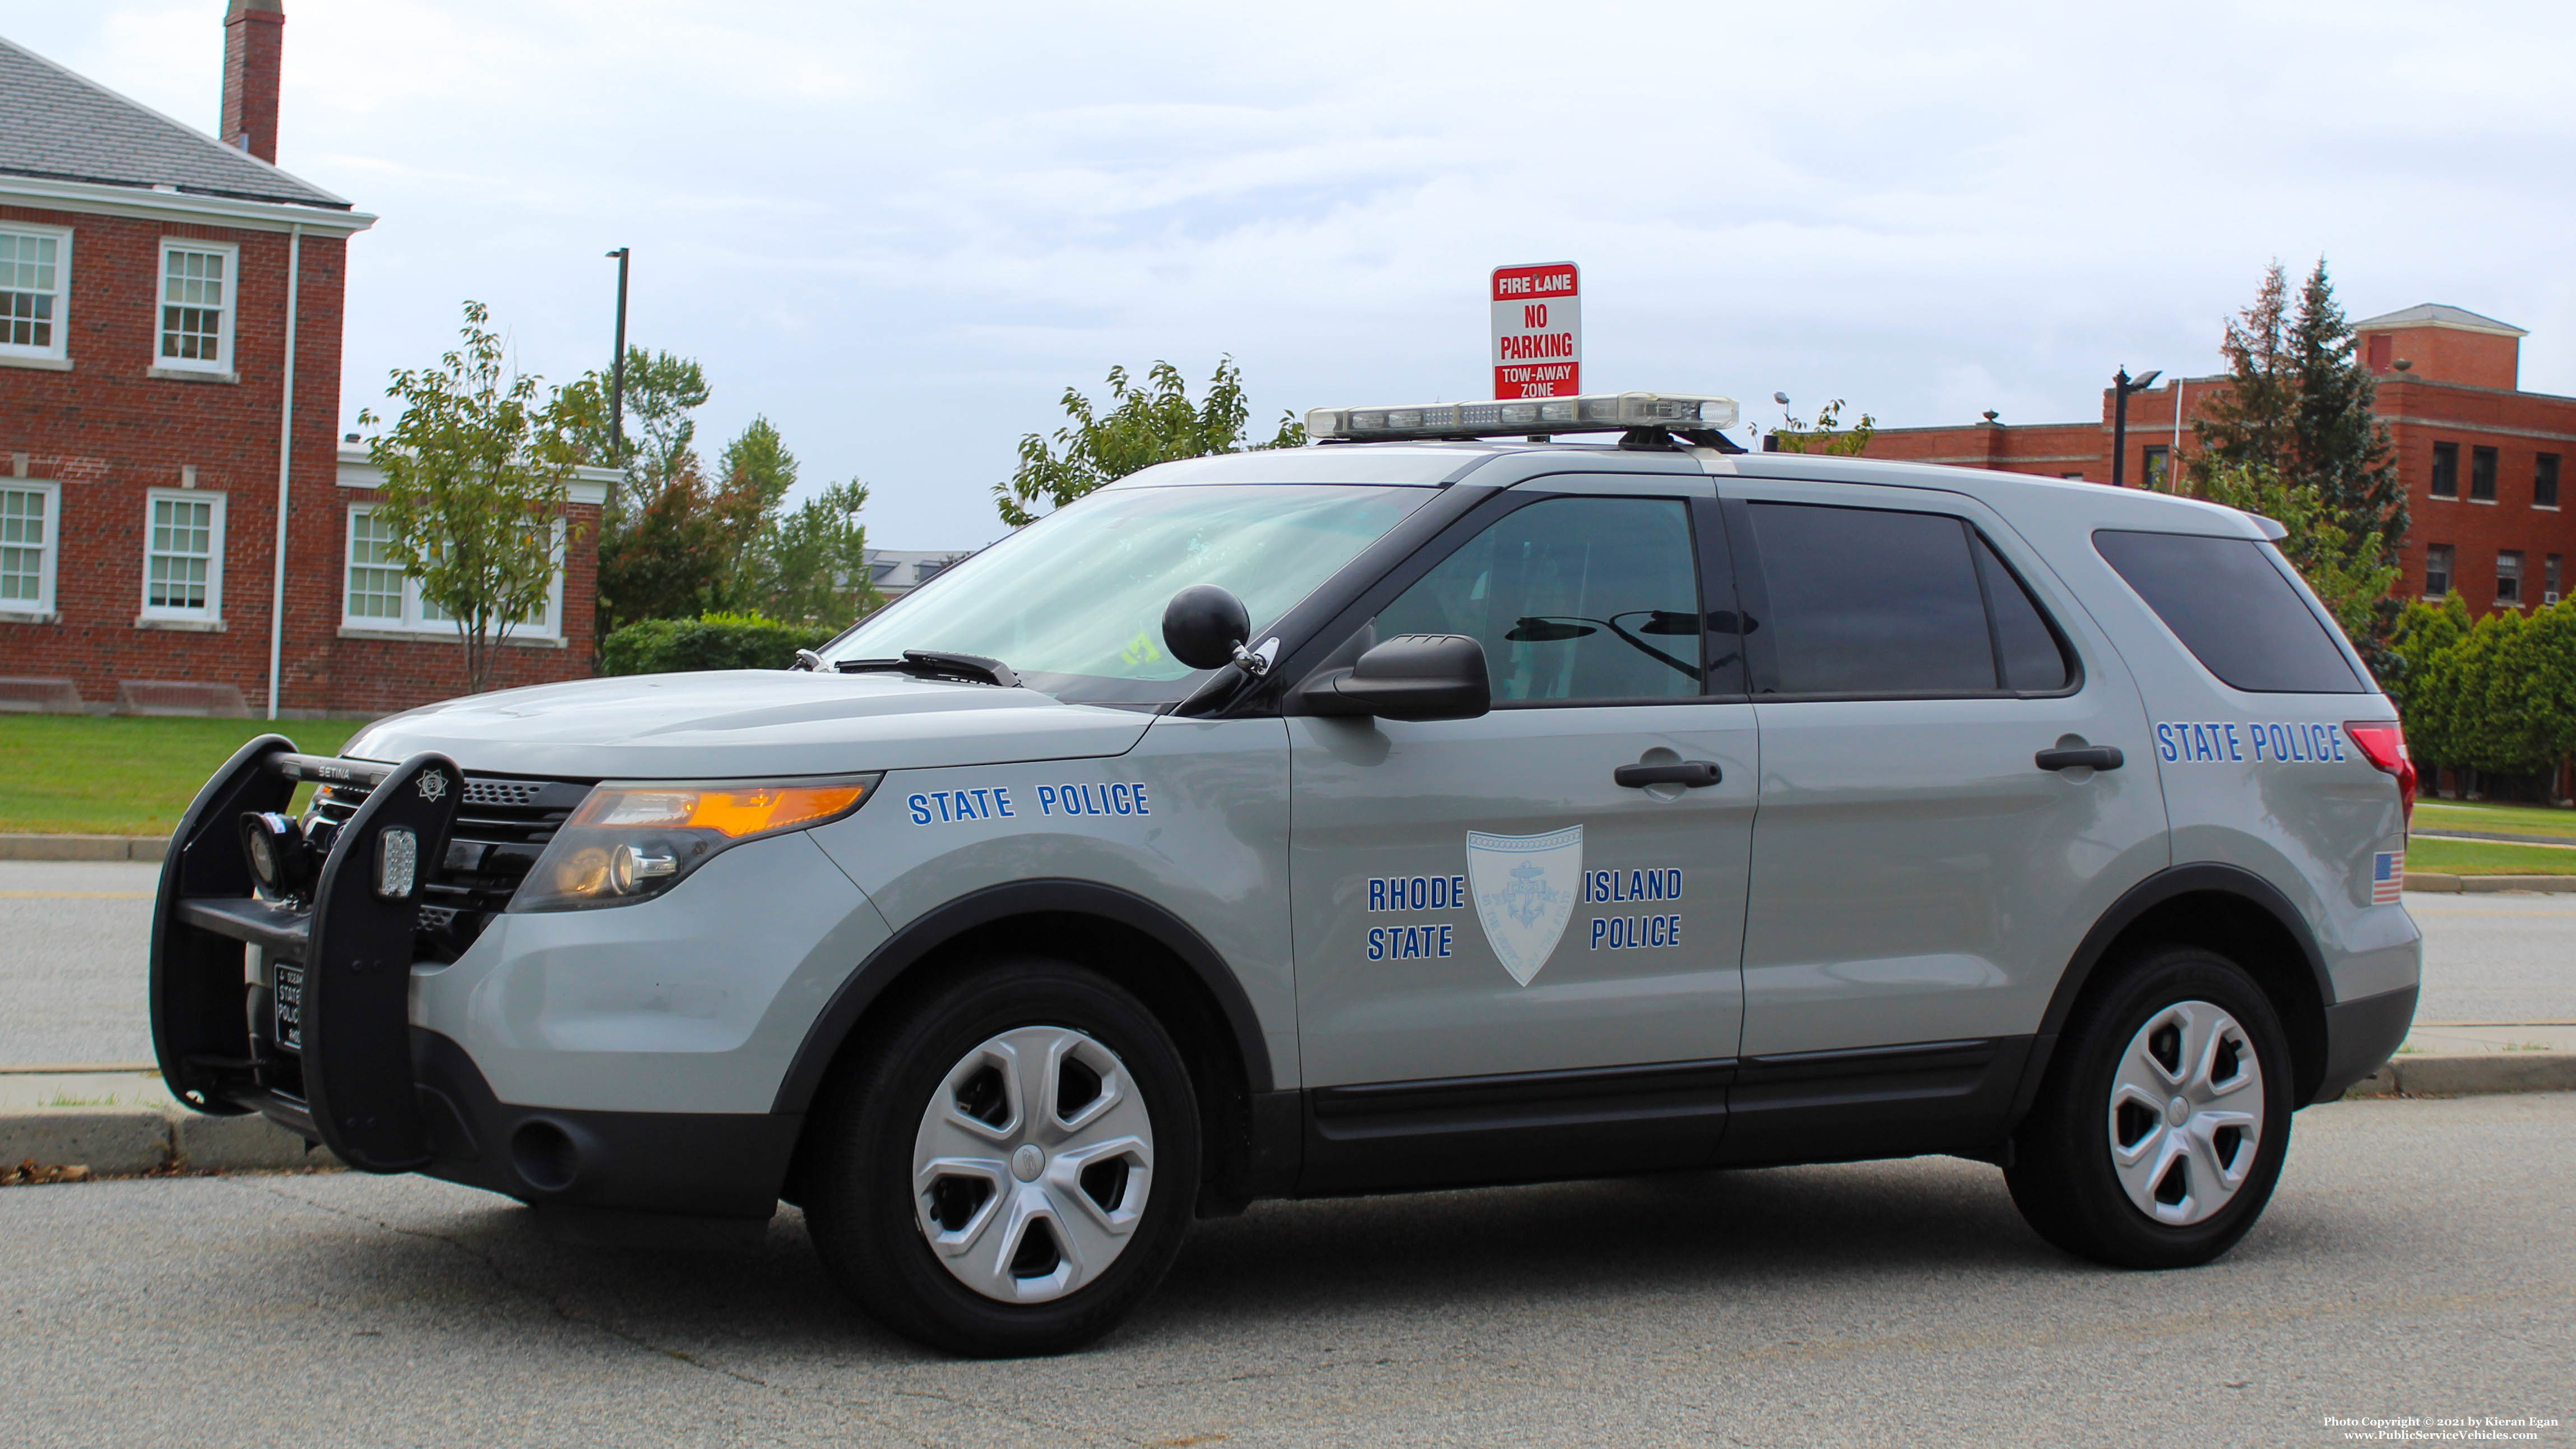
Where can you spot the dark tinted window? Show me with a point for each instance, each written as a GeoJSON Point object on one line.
{"type": "Point", "coordinates": [2032, 660]}
{"type": "Point", "coordinates": [2231, 605]}
{"type": "Point", "coordinates": [1573, 598]}
{"type": "Point", "coordinates": [1866, 601]}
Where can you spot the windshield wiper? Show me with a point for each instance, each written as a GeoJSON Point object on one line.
{"type": "Point", "coordinates": [937, 664]}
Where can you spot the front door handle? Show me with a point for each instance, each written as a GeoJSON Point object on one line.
{"type": "Point", "coordinates": [1693, 773]}
{"type": "Point", "coordinates": [2091, 757]}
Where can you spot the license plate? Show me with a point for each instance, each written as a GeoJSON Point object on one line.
{"type": "Point", "coordinates": [286, 990]}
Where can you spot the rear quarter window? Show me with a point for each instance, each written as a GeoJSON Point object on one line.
{"type": "Point", "coordinates": [2231, 603]}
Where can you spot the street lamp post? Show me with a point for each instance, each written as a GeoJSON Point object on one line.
{"type": "Point", "coordinates": [617, 371]}
{"type": "Point", "coordinates": [2121, 386]}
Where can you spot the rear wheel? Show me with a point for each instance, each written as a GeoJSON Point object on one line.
{"type": "Point", "coordinates": [1010, 1164]}
{"type": "Point", "coordinates": [2161, 1130]}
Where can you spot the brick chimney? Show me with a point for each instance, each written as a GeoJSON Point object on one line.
{"type": "Point", "coordinates": [253, 34]}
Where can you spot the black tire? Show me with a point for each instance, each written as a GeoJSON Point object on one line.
{"type": "Point", "coordinates": [861, 1208]}
{"type": "Point", "coordinates": [2063, 1178]}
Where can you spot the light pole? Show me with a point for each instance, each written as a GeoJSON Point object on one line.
{"type": "Point", "coordinates": [617, 371]}
{"type": "Point", "coordinates": [2122, 384]}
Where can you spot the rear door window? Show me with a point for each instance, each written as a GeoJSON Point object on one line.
{"type": "Point", "coordinates": [2231, 603]}
{"type": "Point", "coordinates": [1883, 603]}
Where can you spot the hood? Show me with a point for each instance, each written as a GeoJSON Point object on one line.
{"type": "Point", "coordinates": [742, 723]}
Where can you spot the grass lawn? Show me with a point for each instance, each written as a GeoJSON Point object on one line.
{"type": "Point", "coordinates": [2496, 819]}
{"type": "Point", "coordinates": [2484, 857]}
{"type": "Point", "coordinates": [92, 775]}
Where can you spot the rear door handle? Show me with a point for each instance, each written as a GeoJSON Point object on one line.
{"type": "Point", "coordinates": [2092, 757]}
{"type": "Point", "coordinates": [1693, 773]}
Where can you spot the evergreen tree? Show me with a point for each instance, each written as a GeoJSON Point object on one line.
{"type": "Point", "coordinates": [2298, 409]}
{"type": "Point", "coordinates": [2247, 427]}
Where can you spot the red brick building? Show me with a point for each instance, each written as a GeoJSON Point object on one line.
{"type": "Point", "coordinates": [2482, 461]}
{"type": "Point", "coordinates": [170, 321]}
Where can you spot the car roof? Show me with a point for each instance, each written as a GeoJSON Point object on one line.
{"type": "Point", "coordinates": [1500, 462]}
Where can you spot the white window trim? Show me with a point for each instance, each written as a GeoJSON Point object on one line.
{"type": "Point", "coordinates": [222, 362]}
{"type": "Point", "coordinates": [61, 348]}
{"type": "Point", "coordinates": [213, 612]}
{"type": "Point", "coordinates": [42, 610]}
{"type": "Point", "coordinates": [550, 629]}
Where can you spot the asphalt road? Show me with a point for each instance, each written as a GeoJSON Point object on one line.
{"type": "Point", "coordinates": [2418, 1260]}
{"type": "Point", "coordinates": [74, 940]}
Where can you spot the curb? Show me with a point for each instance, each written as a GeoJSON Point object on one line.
{"type": "Point", "coordinates": [84, 847]}
{"type": "Point", "coordinates": [134, 1141]}
{"type": "Point", "coordinates": [2435, 883]}
{"type": "Point", "coordinates": [2469, 1075]}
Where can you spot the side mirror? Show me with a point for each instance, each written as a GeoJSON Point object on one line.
{"type": "Point", "coordinates": [1203, 625]}
{"type": "Point", "coordinates": [1411, 676]}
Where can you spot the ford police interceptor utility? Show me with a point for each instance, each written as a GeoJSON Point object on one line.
{"type": "Point", "coordinates": [1422, 808]}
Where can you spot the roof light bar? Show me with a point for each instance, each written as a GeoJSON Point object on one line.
{"type": "Point", "coordinates": [1607, 412]}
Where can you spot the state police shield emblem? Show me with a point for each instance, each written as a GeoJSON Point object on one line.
{"type": "Point", "coordinates": [1524, 887]}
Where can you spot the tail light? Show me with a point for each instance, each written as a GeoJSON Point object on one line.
{"type": "Point", "coordinates": [2384, 743]}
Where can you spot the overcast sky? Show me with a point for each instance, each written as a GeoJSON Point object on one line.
{"type": "Point", "coordinates": [901, 231]}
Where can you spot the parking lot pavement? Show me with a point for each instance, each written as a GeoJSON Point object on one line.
{"type": "Point", "coordinates": [74, 941]}
{"type": "Point", "coordinates": [75, 945]}
{"type": "Point", "coordinates": [2501, 958]}
{"type": "Point", "coordinates": [2417, 1261]}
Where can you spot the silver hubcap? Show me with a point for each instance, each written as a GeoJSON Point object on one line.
{"type": "Point", "coordinates": [2186, 1113]}
{"type": "Point", "coordinates": [1032, 1165]}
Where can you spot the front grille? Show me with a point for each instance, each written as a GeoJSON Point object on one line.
{"type": "Point", "coordinates": [502, 826]}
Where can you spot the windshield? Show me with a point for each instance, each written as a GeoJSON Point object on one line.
{"type": "Point", "coordinates": [1074, 602]}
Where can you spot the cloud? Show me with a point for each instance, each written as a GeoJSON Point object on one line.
{"type": "Point", "coordinates": [900, 231]}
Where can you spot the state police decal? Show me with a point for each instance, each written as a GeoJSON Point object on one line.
{"type": "Point", "coordinates": [1524, 889]}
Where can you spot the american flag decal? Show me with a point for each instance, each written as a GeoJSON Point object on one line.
{"type": "Point", "coordinates": [2387, 877]}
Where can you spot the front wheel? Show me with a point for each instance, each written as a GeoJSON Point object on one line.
{"type": "Point", "coordinates": [1010, 1165]}
{"type": "Point", "coordinates": [2165, 1118]}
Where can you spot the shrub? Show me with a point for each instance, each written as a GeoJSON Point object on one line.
{"type": "Point", "coordinates": [711, 641]}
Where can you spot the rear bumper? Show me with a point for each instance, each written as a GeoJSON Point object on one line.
{"type": "Point", "coordinates": [2361, 1035]}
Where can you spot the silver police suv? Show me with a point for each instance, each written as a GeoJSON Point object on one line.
{"type": "Point", "coordinates": [1422, 808]}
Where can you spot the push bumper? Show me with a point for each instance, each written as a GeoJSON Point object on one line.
{"type": "Point", "coordinates": [349, 1069]}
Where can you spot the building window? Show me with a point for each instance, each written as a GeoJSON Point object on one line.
{"type": "Point", "coordinates": [27, 531]}
{"type": "Point", "coordinates": [2544, 481]}
{"type": "Point", "coordinates": [377, 596]}
{"type": "Point", "coordinates": [2549, 574]}
{"type": "Point", "coordinates": [2153, 466]}
{"type": "Point", "coordinates": [2437, 570]}
{"type": "Point", "coordinates": [2446, 470]}
{"type": "Point", "coordinates": [2509, 577]}
{"type": "Point", "coordinates": [2482, 474]}
{"type": "Point", "coordinates": [197, 306]}
{"type": "Point", "coordinates": [183, 555]}
{"type": "Point", "coordinates": [35, 269]}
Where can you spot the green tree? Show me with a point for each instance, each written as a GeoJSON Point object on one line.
{"type": "Point", "coordinates": [819, 560]}
{"type": "Point", "coordinates": [2428, 691]}
{"type": "Point", "coordinates": [1141, 426]}
{"type": "Point", "coordinates": [1827, 433]}
{"type": "Point", "coordinates": [663, 390]}
{"type": "Point", "coordinates": [477, 471]}
{"type": "Point", "coordinates": [2298, 408]}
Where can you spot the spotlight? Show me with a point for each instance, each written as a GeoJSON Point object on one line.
{"type": "Point", "coordinates": [275, 845]}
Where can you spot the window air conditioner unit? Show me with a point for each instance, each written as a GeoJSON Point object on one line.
{"type": "Point", "coordinates": [2550, 597]}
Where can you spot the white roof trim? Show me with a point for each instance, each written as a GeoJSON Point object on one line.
{"type": "Point", "coordinates": [100, 198]}
{"type": "Point", "coordinates": [589, 485]}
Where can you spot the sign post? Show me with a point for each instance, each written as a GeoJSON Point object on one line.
{"type": "Point", "coordinates": [1538, 331]}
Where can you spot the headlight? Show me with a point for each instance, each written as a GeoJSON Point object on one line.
{"type": "Point", "coordinates": [630, 842]}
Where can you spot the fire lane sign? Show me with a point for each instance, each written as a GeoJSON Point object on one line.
{"type": "Point", "coordinates": [1538, 331]}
